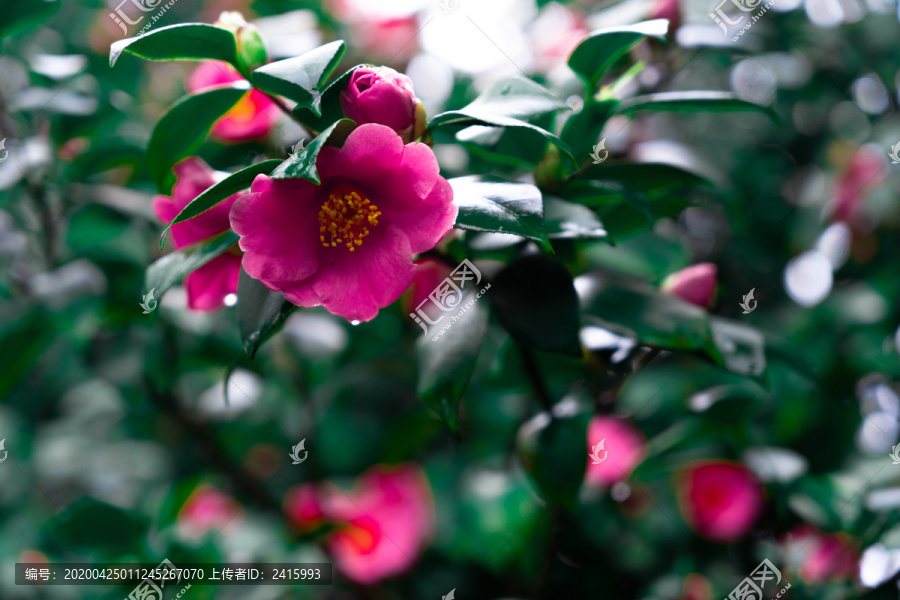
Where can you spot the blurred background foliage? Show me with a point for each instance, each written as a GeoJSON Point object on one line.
{"type": "Point", "coordinates": [115, 422]}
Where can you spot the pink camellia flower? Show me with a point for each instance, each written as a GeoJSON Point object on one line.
{"type": "Point", "coordinates": [719, 499]}
{"type": "Point", "coordinates": [867, 170]}
{"type": "Point", "coordinates": [695, 284]}
{"type": "Point", "coordinates": [253, 116]}
{"type": "Point", "coordinates": [821, 556]}
{"type": "Point", "coordinates": [208, 285]}
{"type": "Point", "coordinates": [386, 97]}
{"type": "Point", "coordinates": [618, 447]}
{"type": "Point", "coordinates": [347, 244]}
{"type": "Point", "coordinates": [207, 508]}
{"type": "Point", "coordinates": [381, 526]}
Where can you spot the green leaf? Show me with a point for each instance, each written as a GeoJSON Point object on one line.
{"type": "Point", "coordinates": [302, 78]}
{"type": "Point", "coordinates": [329, 104]}
{"type": "Point", "coordinates": [553, 449]}
{"type": "Point", "coordinates": [493, 205]}
{"type": "Point", "coordinates": [651, 179]}
{"type": "Point", "coordinates": [602, 48]}
{"type": "Point", "coordinates": [184, 128]}
{"type": "Point", "coordinates": [303, 164]}
{"type": "Point", "coordinates": [693, 102]}
{"type": "Point", "coordinates": [89, 523]}
{"type": "Point", "coordinates": [261, 312]}
{"type": "Point", "coordinates": [657, 319]}
{"type": "Point", "coordinates": [582, 130]}
{"type": "Point", "coordinates": [508, 103]}
{"type": "Point", "coordinates": [447, 357]}
{"type": "Point", "coordinates": [567, 220]}
{"type": "Point", "coordinates": [535, 300]}
{"type": "Point", "coordinates": [187, 41]}
{"type": "Point", "coordinates": [222, 190]}
{"type": "Point", "coordinates": [173, 267]}
{"type": "Point", "coordinates": [21, 16]}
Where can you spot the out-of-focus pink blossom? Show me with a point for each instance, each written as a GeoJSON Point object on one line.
{"type": "Point", "coordinates": [695, 284]}
{"type": "Point", "coordinates": [821, 556]}
{"type": "Point", "coordinates": [205, 509]}
{"type": "Point", "coordinates": [867, 170]}
{"type": "Point", "coordinates": [719, 499]}
{"type": "Point", "coordinates": [381, 526]}
{"type": "Point", "coordinates": [623, 448]}
{"type": "Point", "coordinates": [253, 116]}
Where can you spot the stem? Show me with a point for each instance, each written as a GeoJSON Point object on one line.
{"type": "Point", "coordinates": [534, 375]}
{"type": "Point", "coordinates": [280, 104]}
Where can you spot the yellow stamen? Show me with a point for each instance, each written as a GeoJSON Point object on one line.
{"type": "Point", "coordinates": [345, 219]}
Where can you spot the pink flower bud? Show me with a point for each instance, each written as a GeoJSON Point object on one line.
{"type": "Point", "coordinates": [695, 284]}
{"type": "Point", "coordinates": [615, 449]}
{"type": "Point", "coordinates": [719, 499]}
{"type": "Point", "coordinates": [821, 556]}
{"type": "Point", "coordinates": [386, 97]}
{"type": "Point", "coordinates": [207, 508]}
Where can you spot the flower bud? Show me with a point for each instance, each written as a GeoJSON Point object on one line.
{"type": "Point", "coordinates": [695, 284]}
{"type": "Point", "coordinates": [251, 50]}
{"type": "Point", "coordinates": [385, 97]}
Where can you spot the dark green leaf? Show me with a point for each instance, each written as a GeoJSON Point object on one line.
{"type": "Point", "coordinates": [651, 179]}
{"type": "Point", "coordinates": [693, 102]}
{"type": "Point", "coordinates": [20, 16]}
{"type": "Point", "coordinates": [582, 130]}
{"type": "Point", "coordinates": [447, 357]}
{"type": "Point", "coordinates": [567, 220]}
{"type": "Point", "coordinates": [508, 103]}
{"type": "Point", "coordinates": [500, 206]}
{"type": "Point", "coordinates": [261, 312]}
{"type": "Point", "coordinates": [88, 523]}
{"type": "Point", "coordinates": [534, 298]}
{"type": "Point", "coordinates": [187, 41]}
{"type": "Point", "coordinates": [173, 267]}
{"type": "Point", "coordinates": [222, 190]}
{"type": "Point", "coordinates": [303, 164]}
{"type": "Point", "coordinates": [302, 78]}
{"type": "Point", "coordinates": [554, 451]}
{"type": "Point", "coordinates": [602, 48]}
{"type": "Point", "coordinates": [657, 319]}
{"type": "Point", "coordinates": [182, 130]}
{"type": "Point", "coordinates": [329, 104]}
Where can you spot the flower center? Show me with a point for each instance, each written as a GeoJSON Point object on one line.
{"type": "Point", "coordinates": [345, 218]}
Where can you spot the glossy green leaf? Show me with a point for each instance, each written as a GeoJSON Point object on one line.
{"type": "Point", "coordinates": [553, 449]}
{"type": "Point", "coordinates": [187, 41]}
{"type": "Point", "coordinates": [567, 220]}
{"type": "Point", "coordinates": [260, 312]}
{"type": "Point", "coordinates": [657, 319]}
{"type": "Point", "coordinates": [534, 298]}
{"type": "Point", "coordinates": [494, 205]}
{"type": "Point", "coordinates": [602, 48]}
{"type": "Point", "coordinates": [329, 104]}
{"type": "Point", "coordinates": [582, 130]}
{"type": "Point", "coordinates": [173, 267]}
{"type": "Point", "coordinates": [508, 103]}
{"type": "Point", "coordinates": [447, 355]}
{"type": "Point", "coordinates": [303, 164]}
{"type": "Point", "coordinates": [222, 190]}
{"type": "Point", "coordinates": [302, 78]}
{"type": "Point", "coordinates": [651, 179]}
{"type": "Point", "coordinates": [183, 129]}
{"type": "Point", "coordinates": [693, 102]}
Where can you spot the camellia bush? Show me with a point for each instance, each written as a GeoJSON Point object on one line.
{"type": "Point", "coordinates": [569, 334]}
